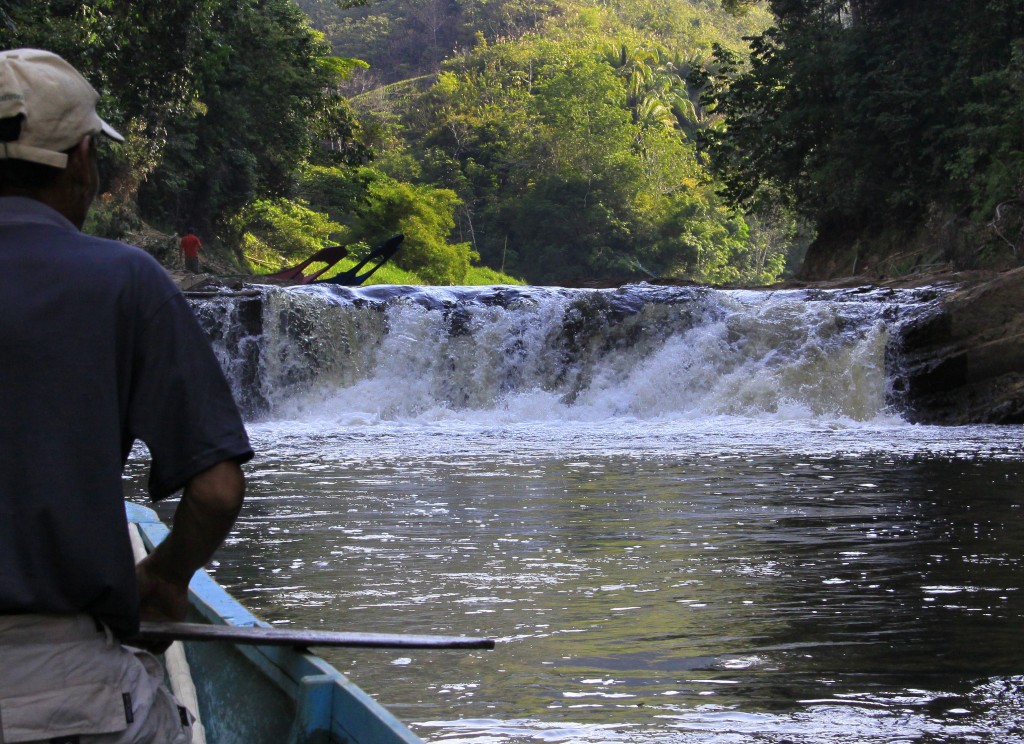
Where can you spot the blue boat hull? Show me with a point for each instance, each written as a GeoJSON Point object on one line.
{"type": "Point", "coordinates": [251, 694]}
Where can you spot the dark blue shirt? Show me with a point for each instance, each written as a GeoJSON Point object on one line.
{"type": "Point", "coordinates": [98, 349]}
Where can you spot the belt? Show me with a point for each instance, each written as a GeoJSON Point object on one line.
{"type": "Point", "coordinates": [30, 628]}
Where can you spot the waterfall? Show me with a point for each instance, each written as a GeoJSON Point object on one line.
{"type": "Point", "coordinates": [526, 353]}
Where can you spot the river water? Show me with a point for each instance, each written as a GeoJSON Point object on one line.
{"type": "Point", "coordinates": [686, 516]}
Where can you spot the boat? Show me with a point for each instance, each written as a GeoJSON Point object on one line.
{"type": "Point", "coordinates": [326, 258]}
{"type": "Point", "coordinates": [255, 694]}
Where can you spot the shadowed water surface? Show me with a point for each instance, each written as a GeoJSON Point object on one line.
{"type": "Point", "coordinates": [652, 582]}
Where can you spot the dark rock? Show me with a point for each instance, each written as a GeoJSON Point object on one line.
{"type": "Point", "coordinates": [964, 363]}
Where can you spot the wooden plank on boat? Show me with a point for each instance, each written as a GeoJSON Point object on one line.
{"type": "Point", "coordinates": [153, 631]}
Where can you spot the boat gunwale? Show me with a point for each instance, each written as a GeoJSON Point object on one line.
{"type": "Point", "coordinates": [301, 674]}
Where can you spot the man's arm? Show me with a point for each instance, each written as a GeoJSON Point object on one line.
{"type": "Point", "coordinates": [209, 505]}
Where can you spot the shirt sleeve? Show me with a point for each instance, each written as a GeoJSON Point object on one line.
{"type": "Point", "coordinates": [180, 403]}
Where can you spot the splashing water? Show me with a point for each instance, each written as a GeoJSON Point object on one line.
{"type": "Point", "coordinates": [539, 354]}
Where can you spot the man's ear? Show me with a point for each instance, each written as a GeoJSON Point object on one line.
{"type": "Point", "coordinates": [80, 180]}
{"type": "Point", "coordinates": [85, 148]}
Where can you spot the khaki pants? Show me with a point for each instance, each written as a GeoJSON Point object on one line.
{"type": "Point", "coordinates": [65, 679]}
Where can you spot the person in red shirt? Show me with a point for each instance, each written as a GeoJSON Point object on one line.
{"type": "Point", "coordinates": [190, 245]}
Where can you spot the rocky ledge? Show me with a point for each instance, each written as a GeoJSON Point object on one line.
{"type": "Point", "coordinates": [964, 363]}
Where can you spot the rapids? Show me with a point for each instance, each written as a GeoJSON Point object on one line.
{"type": "Point", "coordinates": [532, 353]}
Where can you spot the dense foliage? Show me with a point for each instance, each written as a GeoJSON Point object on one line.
{"type": "Point", "coordinates": [559, 140]}
{"type": "Point", "coordinates": [568, 131]}
{"type": "Point", "coordinates": [553, 139]}
{"type": "Point", "coordinates": [142, 56]}
{"type": "Point", "coordinates": [404, 39]}
{"type": "Point", "coordinates": [263, 100]}
{"type": "Point", "coordinates": [220, 100]}
{"type": "Point", "coordinates": [879, 119]}
{"type": "Point", "coordinates": [233, 112]}
{"type": "Point", "coordinates": [573, 162]}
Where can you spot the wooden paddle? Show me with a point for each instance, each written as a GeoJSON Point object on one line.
{"type": "Point", "coordinates": [162, 632]}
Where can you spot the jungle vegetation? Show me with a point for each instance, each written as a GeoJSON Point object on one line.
{"type": "Point", "coordinates": [892, 126]}
{"type": "Point", "coordinates": [570, 132]}
{"type": "Point", "coordinates": [559, 141]}
{"type": "Point", "coordinates": [553, 141]}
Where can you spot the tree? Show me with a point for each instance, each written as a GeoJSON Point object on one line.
{"type": "Point", "coordinates": [738, 6]}
{"type": "Point", "coordinates": [373, 206]}
{"type": "Point", "coordinates": [571, 163]}
{"type": "Point", "coordinates": [143, 57]}
{"type": "Point", "coordinates": [266, 91]}
{"type": "Point", "coordinates": [272, 229]}
{"type": "Point", "coordinates": [872, 116]}
{"type": "Point", "coordinates": [565, 130]}
{"type": "Point", "coordinates": [220, 101]}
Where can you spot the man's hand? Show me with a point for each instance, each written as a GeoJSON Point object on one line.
{"type": "Point", "coordinates": [160, 600]}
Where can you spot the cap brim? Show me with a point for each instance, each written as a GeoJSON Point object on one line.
{"type": "Point", "coordinates": [111, 132]}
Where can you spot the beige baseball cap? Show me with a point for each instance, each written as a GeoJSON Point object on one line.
{"type": "Point", "coordinates": [58, 105]}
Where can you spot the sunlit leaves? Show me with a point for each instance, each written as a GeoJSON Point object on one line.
{"type": "Point", "coordinates": [284, 227]}
{"type": "Point", "coordinates": [571, 161]}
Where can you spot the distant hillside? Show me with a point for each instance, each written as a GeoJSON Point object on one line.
{"type": "Point", "coordinates": [565, 136]}
{"type": "Point", "coordinates": [401, 39]}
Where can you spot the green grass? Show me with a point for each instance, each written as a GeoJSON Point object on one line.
{"type": "Point", "coordinates": [482, 275]}
{"type": "Point", "coordinates": [386, 274]}
{"type": "Point", "coordinates": [391, 274]}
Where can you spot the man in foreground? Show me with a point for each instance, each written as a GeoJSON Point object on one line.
{"type": "Point", "coordinates": [98, 349]}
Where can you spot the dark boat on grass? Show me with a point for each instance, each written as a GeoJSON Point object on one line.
{"type": "Point", "coordinates": [321, 262]}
